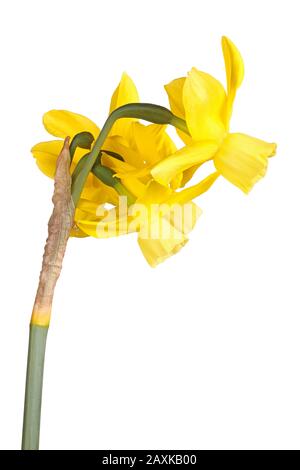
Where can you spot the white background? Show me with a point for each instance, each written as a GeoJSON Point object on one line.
{"type": "Point", "coordinates": [203, 351]}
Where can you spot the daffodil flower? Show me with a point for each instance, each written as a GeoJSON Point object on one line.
{"type": "Point", "coordinates": [161, 217]}
{"type": "Point", "coordinates": [138, 144]}
{"type": "Point", "coordinates": [202, 101]}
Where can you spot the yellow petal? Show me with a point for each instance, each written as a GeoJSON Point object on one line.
{"type": "Point", "coordinates": [125, 173]}
{"type": "Point", "coordinates": [91, 207]}
{"type": "Point", "coordinates": [125, 93]}
{"type": "Point", "coordinates": [188, 174]}
{"type": "Point", "coordinates": [77, 233]}
{"type": "Point", "coordinates": [61, 123]}
{"type": "Point", "coordinates": [155, 194]}
{"type": "Point", "coordinates": [194, 191]}
{"type": "Point", "coordinates": [46, 154]}
{"type": "Point", "coordinates": [134, 186]}
{"type": "Point", "coordinates": [91, 215]}
{"type": "Point", "coordinates": [142, 173]}
{"type": "Point", "coordinates": [183, 216]}
{"type": "Point", "coordinates": [204, 99]}
{"type": "Point", "coordinates": [111, 224]}
{"type": "Point", "coordinates": [174, 90]}
{"type": "Point", "coordinates": [243, 160]}
{"type": "Point", "coordinates": [99, 192]}
{"type": "Point", "coordinates": [176, 182]}
{"type": "Point", "coordinates": [234, 71]}
{"type": "Point", "coordinates": [121, 146]}
{"type": "Point", "coordinates": [183, 159]}
{"type": "Point", "coordinates": [159, 205]}
{"type": "Point", "coordinates": [156, 250]}
{"type": "Point", "coordinates": [117, 165]}
{"type": "Point", "coordinates": [151, 142]}
{"type": "Point", "coordinates": [183, 212]}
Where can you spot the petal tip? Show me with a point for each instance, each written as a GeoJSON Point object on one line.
{"type": "Point", "coordinates": [125, 76]}
{"type": "Point", "coordinates": [274, 149]}
{"type": "Point", "coordinates": [225, 39]}
{"type": "Point", "coordinates": [46, 114]}
{"type": "Point", "coordinates": [33, 149]}
{"type": "Point", "coordinates": [159, 177]}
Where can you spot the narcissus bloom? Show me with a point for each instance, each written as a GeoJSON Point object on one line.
{"type": "Point", "coordinates": [150, 168]}
{"type": "Point", "coordinates": [161, 216]}
{"type": "Point", "coordinates": [201, 100]}
{"type": "Point", "coordinates": [139, 145]}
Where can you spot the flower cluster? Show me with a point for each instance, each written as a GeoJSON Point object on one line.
{"type": "Point", "coordinates": [151, 197]}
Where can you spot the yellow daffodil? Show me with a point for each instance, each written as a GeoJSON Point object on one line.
{"type": "Point", "coordinates": [138, 144]}
{"type": "Point", "coordinates": [201, 100]}
{"type": "Point", "coordinates": [161, 217]}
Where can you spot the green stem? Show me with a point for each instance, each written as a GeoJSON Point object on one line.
{"type": "Point", "coordinates": [34, 386]}
{"type": "Point", "coordinates": [148, 112]}
{"type": "Point", "coordinates": [180, 124]}
{"type": "Point", "coordinates": [120, 188]}
{"type": "Point", "coordinates": [82, 140]}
